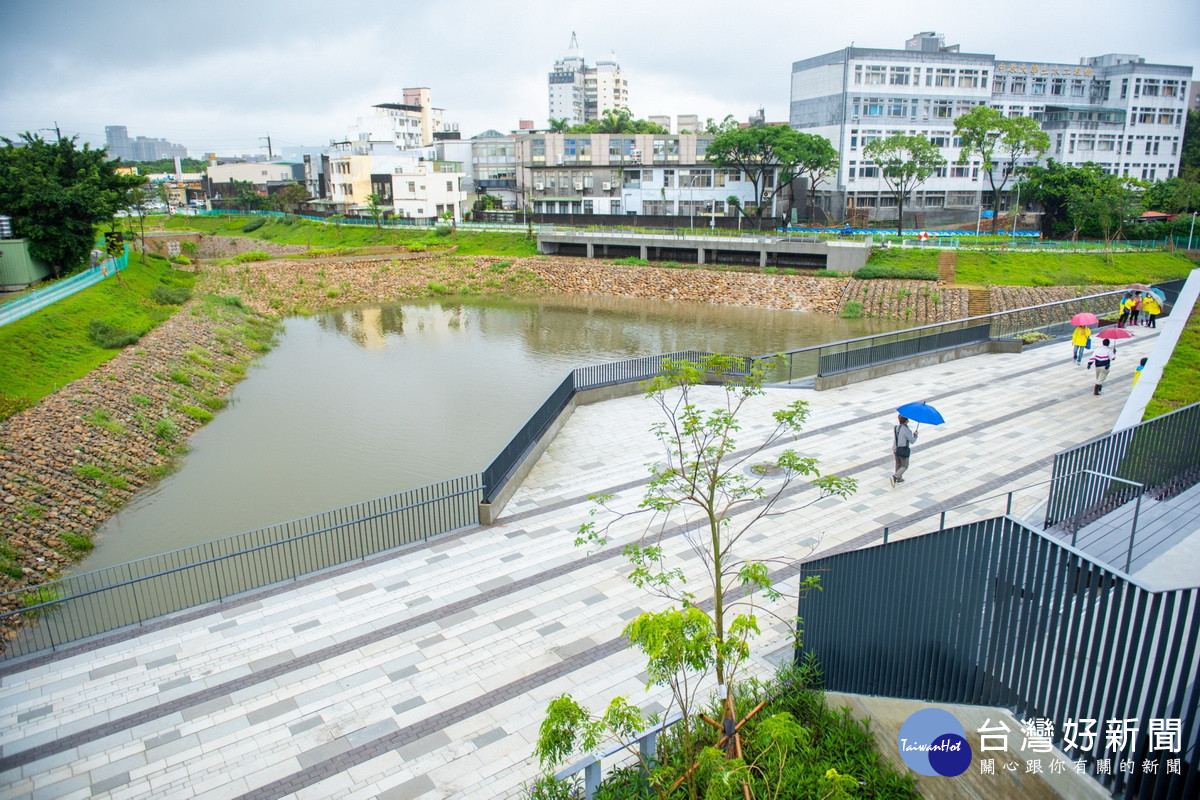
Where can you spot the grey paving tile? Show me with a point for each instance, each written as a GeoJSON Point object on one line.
{"type": "Point", "coordinates": [357, 591]}
{"type": "Point", "coordinates": [426, 744]}
{"type": "Point", "coordinates": [112, 669]}
{"type": "Point", "coordinates": [315, 721]}
{"type": "Point", "coordinates": [409, 790]}
{"type": "Point", "coordinates": [305, 626]}
{"type": "Point", "coordinates": [34, 713]}
{"type": "Point", "coordinates": [551, 628]}
{"type": "Point", "coordinates": [408, 705]}
{"type": "Point", "coordinates": [484, 739]}
{"type": "Point", "coordinates": [330, 749]}
{"type": "Point", "coordinates": [275, 659]}
{"type": "Point", "coordinates": [372, 732]}
{"type": "Point", "coordinates": [174, 684]}
{"type": "Point", "coordinates": [161, 662]}
{"type": "Point", "coordinates": [223, 626]}
{"type": "Point", "coordinates": [514, 620]}
{"type": "Point", "coordinates": [108, 784]}
{"type": "Point", "coordinates": [265, 713]}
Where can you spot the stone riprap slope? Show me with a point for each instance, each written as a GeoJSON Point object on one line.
{"type": "Point", "coordinates": [1006, 298]}
{"type": "Point", "coordinates": [298, 286]}
{"type": "Point", "coordinates": [913, 302]}
{"type": "Point", "coordinates": [72, 460]}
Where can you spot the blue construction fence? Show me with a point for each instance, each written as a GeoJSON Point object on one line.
{"type": "Point", "coordinates": [38, 299]}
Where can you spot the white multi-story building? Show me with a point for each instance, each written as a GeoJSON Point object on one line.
{"type": "Point", "coordinates": [408, 124]}
{"type": "Point", "coordinates": [659, 174]}
{"type": "Point", "coordinates": [579, 93]}
{"type": "Point", "coordinates": [1116, 110]}
{"type": "Point", "coordinates": [412, 184]}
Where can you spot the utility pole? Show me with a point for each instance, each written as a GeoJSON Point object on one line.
{"type": "Point", "coordinates": [270, 152]}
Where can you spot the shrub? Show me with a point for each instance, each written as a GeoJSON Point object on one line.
{"type": "Point", "coordinates": [166, 429]}
{"type": "Point", "coordinates": [416, 248]}
{"type": "Point", "coordinates": [170, 295]}
{"type": "Point", "coordinates": [438, 288]}
{"type": "Point", "coordinates": [151, 256]}
{"type": "Point", "coordinates": [254, 224]}
{"type": "Point", "coordinates": [77, 541]}
{"type": "Point", "coordinates": [443, 230]}
{"type": "Point", "coordinates": [10, 404]}
{"type": "Point", "coordinates": [852, 310]}
{"type": "Point", "coordinates": [1041, 280]}
{"type": "Point", "coordinates": [189, 248]}
{"type": "Point", "coordinates": [181, 259]}
{"type": "Point", "coordinates": [881, 271]}
{"type": "Point", "coordinates": [110, 337]}
{"type": "Point", "coordinates": [196, 412]}
{"type": "Point", "coordinates": [829, 273]}
{"type": "Point", "coordinates": [632, 261]}
{"type": "Point", "coordinates": [251, 255]}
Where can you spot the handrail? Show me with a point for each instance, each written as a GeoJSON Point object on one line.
{"type": "Point", "coordinates": [591, 765]}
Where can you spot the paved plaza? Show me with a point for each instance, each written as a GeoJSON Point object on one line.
{"type": "Point", "coordinates": [424, 673]}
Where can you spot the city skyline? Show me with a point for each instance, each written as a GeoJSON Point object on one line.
{"type": "Point", "coordinates": [219, 76]}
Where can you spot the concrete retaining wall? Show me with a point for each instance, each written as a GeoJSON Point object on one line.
{"type": "Point", "coordinates": [923, 360]}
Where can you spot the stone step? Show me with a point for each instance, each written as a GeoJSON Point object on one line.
{"type": "Point", "coordinates": [947, 266]}
{"type": "Point", "coordinates": [979, 302]}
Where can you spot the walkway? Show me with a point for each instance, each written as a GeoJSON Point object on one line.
{"type": "Point", "coordinates": [424, 674]}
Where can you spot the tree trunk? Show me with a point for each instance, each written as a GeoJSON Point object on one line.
{"type": "Point", "coordinates": [900, 217]}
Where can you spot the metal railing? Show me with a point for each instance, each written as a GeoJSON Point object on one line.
{"type": "Point", "coordinates": [1161, 455]}
{"type": "Point", "coordinates": [592, 766]}
{"type": "Point", "coordinates": [497, 474]}
{"type": "Point", "coordinates": [38, 299]}
{"type": "Point", "coordinates": [79, 606]}
{"type": "Point", "coordinates": [1051, 319]}
{"type": "Point", "coordinates": [994, 613]}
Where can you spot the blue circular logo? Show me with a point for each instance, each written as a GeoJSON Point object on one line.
{"type": "Point", "coordinates": [934, 742]}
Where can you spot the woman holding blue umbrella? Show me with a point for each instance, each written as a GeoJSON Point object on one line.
{"type": "Point", "coordinates": [903, 438]}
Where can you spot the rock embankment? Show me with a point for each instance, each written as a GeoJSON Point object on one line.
{"type": "Point", "coordinates": [1007, 298]}
{"type": "Point", "coordinates": [211, 246]}
{"type": "Point", "coordinates": [913, 302]}
{"type": "Point", "coordinates": [297, 286]}
{"type": "Point", "coordinates": [77, 456]}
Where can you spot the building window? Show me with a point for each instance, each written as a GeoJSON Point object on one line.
{"type": "Point", "coordinates": [868, 171]}
{"type": "Point", "coordinates": [1058, 86]}
{"type": "Point", "coordinates": [898, 76]}
{"type": "Point", "coordinates": [873, 107]}
{"type": "Point", "coordinates": [1039, 86]}
{"type": "Point", "coordinates": [945, 77]}
{"type": "Point", "coordinates": [875, 75]}
{"type": "Point", "coordinates": [897, 108]}
{"type": "Point", "coordinates": [1076, 88]}
{"type": "Point", "coordinates": [1018, 86]}
{"type": "Point", "coordinates": [943, 109]}
{"type": "Point", "coordinates": [968, 78]}
{"type": "Point", "coordinates": [668, 181]}
{"type": "Point", "coordinates": [1000, 85]}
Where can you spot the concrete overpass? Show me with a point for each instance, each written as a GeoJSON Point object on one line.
{"type": "Point", "coordinates": [761, 249]}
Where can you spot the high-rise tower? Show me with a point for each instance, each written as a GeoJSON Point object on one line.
{"type": "Point", "coordinates": [579, 93]}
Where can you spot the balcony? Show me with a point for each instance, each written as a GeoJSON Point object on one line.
{"type": "Point", "coordinates": [497, 183]}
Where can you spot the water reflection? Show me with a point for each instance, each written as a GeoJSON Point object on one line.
{"type": "Point", "coordinates": [363, 402]}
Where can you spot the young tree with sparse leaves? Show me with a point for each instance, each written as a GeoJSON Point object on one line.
{"type": "Point", "coordinates": [769, 156]}
{"type": "Point", "coordinates": [999, 141]}
{"type": "Point", "coordinates": [905, 162]}
{"type": "Point", "coordinates": [710, 494]}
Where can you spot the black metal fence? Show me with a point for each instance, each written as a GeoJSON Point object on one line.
{"type": "Point", "coordinates": [82, 605]}
{"type": "Point", "coordinates": [634, 369]}
{"type": "Point", "coordinates": [884, 349]}
{"type": "Point", "coordinates": [1160, 454]}
{"type": "Point", "coordinates": [994, 613]}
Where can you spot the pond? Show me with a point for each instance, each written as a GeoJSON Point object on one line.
{"type": "Point", "coordinates": [363, 402]}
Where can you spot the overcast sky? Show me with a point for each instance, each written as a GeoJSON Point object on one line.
{"type": "Point", "coordinates": [215, 75]}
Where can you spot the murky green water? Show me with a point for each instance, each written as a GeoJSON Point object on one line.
{"type": "Point", "coordinates": [360, 403]}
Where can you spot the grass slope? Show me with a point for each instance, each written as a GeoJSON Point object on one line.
{"type": "Point", "coordinates": [45, 350]}
{"type": "Point", "coordinates": [322, 235]}
{"type": "Point", "coordinates": [1178, 386]}
{"type": "Point", "coordinates": [1008, 268]}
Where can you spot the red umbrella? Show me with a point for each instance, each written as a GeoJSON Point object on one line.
{"type": "Point", "coordinates": [1084, 318]}
{"type": "Point", "coordinates": [1114, 333]}
{"type": "Point", "coordinates": [1141, 287]}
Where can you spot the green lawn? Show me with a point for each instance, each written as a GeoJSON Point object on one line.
{"type": "Point", "coordinates": [323, 235]}
{"type": "Point", "coordinates": [986, 267]}
{"type": "Point", "coordinates": [45, 350]}
{"type": "Point", "coordinates": [1178, 386]}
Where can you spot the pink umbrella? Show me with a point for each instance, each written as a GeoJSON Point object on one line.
{"type": "Point", "coordinates": [1084, 318]}
{"type": "Point", "coordinates": [1114, 333]}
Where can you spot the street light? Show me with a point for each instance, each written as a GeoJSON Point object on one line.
{"type": "Point", "coordinates": [1193, 230]}
{"type": "Point", "coordinates": [1016, 208]}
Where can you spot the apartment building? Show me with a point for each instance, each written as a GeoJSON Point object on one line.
{"type": "Point", "coordinates": [411, 184]}
{"type": "Point", "coordinates": [1116, 110]}
{"type": "Point", "coordinates": [580, 93]}
{"type": "Point", "coordinates": [654, 174]}
{"type": "Point", "coordinates": [407, 124]}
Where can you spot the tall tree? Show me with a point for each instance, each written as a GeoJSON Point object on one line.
{"type": "Point", "coordinates": [905, 162]}
{"type": "Point", "coordinates": [1105, 205]}
{"type": "Point", "coordinates": [1053, 186]}
{"type": "Point", "coordinates": [290, 197]}
{"type": "Point", "coordinates": [559, 124]}
{"type": "Point", "coordinates": [57, 193]}
{"type": "Point", "coordinates": [769, 155]}
{"type": "Point", "coordinates": [818, 160]}
{"type": "Point", "coordinates": [375, 208]}
{"type": "Point", "coordinates": [1189, 156]}
{"type": "Point", "coordinates": [999, 141]}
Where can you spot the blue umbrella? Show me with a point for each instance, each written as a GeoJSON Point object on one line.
{"type": "Point", "coordinates": [1162, 297]}
{"type": "Point", "coordinates": [921, 412]}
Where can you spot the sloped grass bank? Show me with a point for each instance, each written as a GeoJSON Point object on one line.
{"type": "Point", "coordinates": [46, 350]}
{"type": "Point", "coordinates": [1180, 382]}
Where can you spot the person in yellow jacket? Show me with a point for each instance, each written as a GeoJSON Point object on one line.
{"type": "Point", "coordinates": [1080, 341]}
{"type": "Point", "coordinates": [1127, 305]}
{"type": "Point", "coordinates": [1152, 308]}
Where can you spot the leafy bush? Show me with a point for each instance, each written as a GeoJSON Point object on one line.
{"type": "Point", "coordinates": [180, 259]}
{"type": "Point", "coordinates": [251, 255]}
{"type": "Point", "coordinates": [632, 261]}
{"type": "Point", "coordinates": [10, 404]}
{"type": "Point", "coordinates": [880, 271]}
{"type": "Point", "coordinates": [829, 273]}
{"type": "Point", "coordinates": [1041, 280]}
{"type": "Point", "coordinates": [110, 337]}
{"type": "Point", "coordinates": [170, 296]}
{"type": "Point", "coordinates": [77, 541]}
{"type": "Point", "coordinates": [152, 256]}
{"type": "Point", "coordinates": [416, 248]}
{"type": "Point", "coordinates": [189, 248]}
{"type": "Point", "coordinates": [166, 429]}
{"type": "Point", "coordinates": [852, 310]}
{"type": "Point", "coordinates": [437, 288]}
{"type": "Point", "coordinates": [254, 224]}
{"type": "Point", "coordinates": [443, 230]}
{"type": "Point", "coordinates": [196, 412]}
